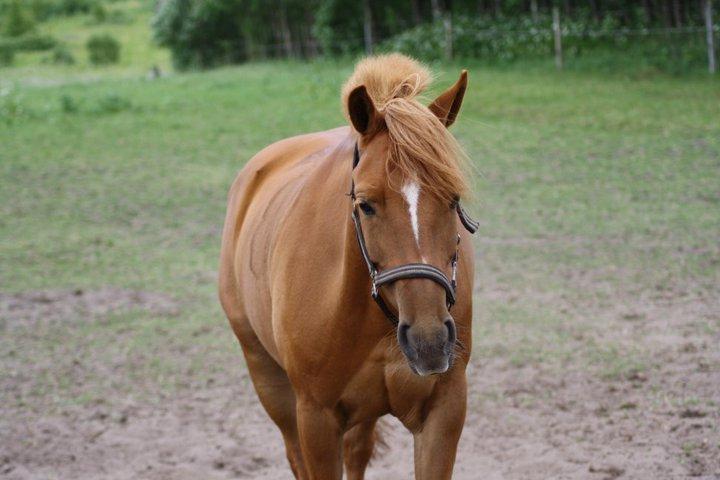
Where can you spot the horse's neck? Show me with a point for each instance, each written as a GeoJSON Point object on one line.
{"type": "Point", "coordinates": [348, 275]}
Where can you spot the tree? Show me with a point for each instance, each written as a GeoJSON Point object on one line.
{"type": "Point", "coordinates": [18, 20]}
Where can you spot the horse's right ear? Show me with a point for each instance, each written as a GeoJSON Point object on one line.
{"type": "Point", "coordinates": [361, 109]}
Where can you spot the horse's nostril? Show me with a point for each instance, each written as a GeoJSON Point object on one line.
{"type": "Point", "coordinates": [452, 334]}
{"type": "Point", "coordinates": [403, 335]}
{"type": "Point", "coordinates": [405, 343]}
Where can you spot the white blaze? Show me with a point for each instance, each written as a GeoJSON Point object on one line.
{"type": "Point", "coordinates": [411, 192]}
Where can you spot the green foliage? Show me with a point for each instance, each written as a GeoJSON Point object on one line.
{"type": "Point", "coordinates": [18, 19]}
{"type": "Point", "coordinates": [68, 104]}
{"type": "Point", "coordinates": [103, 49]}
{"type": "Point", "coordinates": [61, 55]}
{"type": "Point", "coordinates": [338, 27]}
{"type": "Point", "coordinates": [73, 7]}
{"type": "Point", "coordinates": [30, 43]}
{"type": "Point", "coordinates": [7, 55]}
{"type": "Point", "coordinates": [12, 107]}
{"type": "Point", "coordinates": [476, 37]}
{"type": "Point", "coordinates": [98, 12]}
{"type": "Point", "coordinates": [42, 10]}
{"type": "Point", "coordinates": [200, 34]}
{"type": "Point", "coordinates": [596, 43]}
{"type": "Point", "coordinates": [113, 103]}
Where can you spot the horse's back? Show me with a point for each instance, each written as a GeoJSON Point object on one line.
{"type": "Point", "coordinates": [259, 200]}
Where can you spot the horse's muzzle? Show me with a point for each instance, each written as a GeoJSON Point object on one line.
{"type": "Point", "coordinates": [428, 350]}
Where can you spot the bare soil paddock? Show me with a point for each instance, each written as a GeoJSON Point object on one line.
{"type": "Point", "coordinates": [528, 419]}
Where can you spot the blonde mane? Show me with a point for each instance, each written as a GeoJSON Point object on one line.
{"type": "Point", "coordinates": [421, 147]}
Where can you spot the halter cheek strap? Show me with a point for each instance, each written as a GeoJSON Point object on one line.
{"type": "Point", "coordinates": [410, 270]}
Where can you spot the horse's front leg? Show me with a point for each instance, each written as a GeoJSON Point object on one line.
{"type": "Point", "coordinates": [320, 441]}
{"type": "Point", "coordinates": [437, 440]}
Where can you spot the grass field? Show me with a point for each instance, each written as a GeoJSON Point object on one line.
{"type": "Point", "coordinates": [597, 312]}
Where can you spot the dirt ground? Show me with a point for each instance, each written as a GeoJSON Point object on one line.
{"type": "Point", "coordinates": [527, 420]}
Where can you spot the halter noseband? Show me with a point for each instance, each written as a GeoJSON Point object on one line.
{"type": "Point", "coordinates": [410, 270]}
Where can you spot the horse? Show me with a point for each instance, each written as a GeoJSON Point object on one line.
{"type": "Point", "coordinates": [343, 254]}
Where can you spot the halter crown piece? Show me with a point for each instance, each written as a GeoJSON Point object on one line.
{"type": "Point", "coordinates": [410, 270]}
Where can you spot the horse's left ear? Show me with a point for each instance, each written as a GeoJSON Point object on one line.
{"type": "Point", "coordinates": [362, 112]}
{"type": "Point", "coordinates": [447, 105]}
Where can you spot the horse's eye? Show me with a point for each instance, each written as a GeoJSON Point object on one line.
{"type": "Point", "coordinates": [367, 209]}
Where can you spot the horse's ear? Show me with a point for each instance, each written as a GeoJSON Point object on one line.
{"type": "Point", "coordinates": [447, 105]}
{"type": "Point", "coordinates": [361, 110]}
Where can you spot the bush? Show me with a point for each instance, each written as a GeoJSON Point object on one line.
{"type": "Point", "coordinates": [11, 107]}
{"type": "Point", "coordinates": [62, 56]}
{"type": "Point", "coordinates": [98, 12]}
{"type": "Point", "coordinates": [29, 43]}
{"type": "Point", "coordinates": [201, 34]}
{"type": "Point", "coordinates": [73, 7]}
{"type": "Point", "coordinates": [68, 104]}
{"type": "Point", "coordinates": [113, 103]}
{"type": "Point", "coordinates": [44, 9]}
{"type": "Point", "coordinates": [7, 55]}
{"type": "Point", "coordinates": [103, 49]}
{"type": "Point", "coordinates": [18, 20]}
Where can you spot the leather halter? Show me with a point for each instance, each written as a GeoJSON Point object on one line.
{"type": "Point", "coordinates": [410, 270]}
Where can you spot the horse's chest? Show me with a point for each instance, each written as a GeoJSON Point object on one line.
{"type": "Point", "coordinates": [384, 384]}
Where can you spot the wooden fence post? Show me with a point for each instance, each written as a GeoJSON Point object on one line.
{"type": "Point", "coordinates": [558, 38]}
{"type": "Point", "coordinates": [710, 37]}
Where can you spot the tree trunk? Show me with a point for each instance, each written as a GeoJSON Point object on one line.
{"type": "Point", "coordinates": [534, 10]}
{"type": "Point", "coordinates": [368, 27]}
{"type": "Point", "coordinates": [648, 10]}
{"type": "Point", "coordinates": [417, 19]}
{"type": "Point", "coordinates": [311, 42]}
{"type": "Point", "coordinates": [436, 10]}
{"type": "Point", "coordinates": [677, 14]}
{"type": "Point", "coordinates": [285, 31]}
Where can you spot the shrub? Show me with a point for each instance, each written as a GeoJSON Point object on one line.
{"type": "Point", "coordinates": [68, 104]}
{"type": "Point", "coordinates": [7, 55]}
{"type": "Point", "coordinates": [103, 49]}
{"type": "Point", "coordinates": [113, 103]}
{"type": "Point", "coordinates": [44, 9]}
{"type": "Point", "coordinates": [11, 107]}
{"type": "Point", "coordinates": [98, 12]}
{"type": "Point", "coordinates": [73, 7]}
{"type": "Point", "coordinates": [29, 43]}
{"type": "Point", "coordinates": [18, 20]}
{"type": "Point", "coordinates": [62, 56]}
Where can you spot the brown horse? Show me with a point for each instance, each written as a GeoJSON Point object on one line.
{"type": "Point", "coordinates": [314, 224]}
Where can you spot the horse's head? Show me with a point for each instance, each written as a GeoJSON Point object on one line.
{"type": "Point", "coordinates": [407, 185]}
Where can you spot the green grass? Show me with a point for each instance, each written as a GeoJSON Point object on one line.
{"type": "Point", "coordinates": [592, 190]}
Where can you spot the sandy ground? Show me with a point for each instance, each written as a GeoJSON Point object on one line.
{"type": "Point", "coordinates": [526, 421]}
